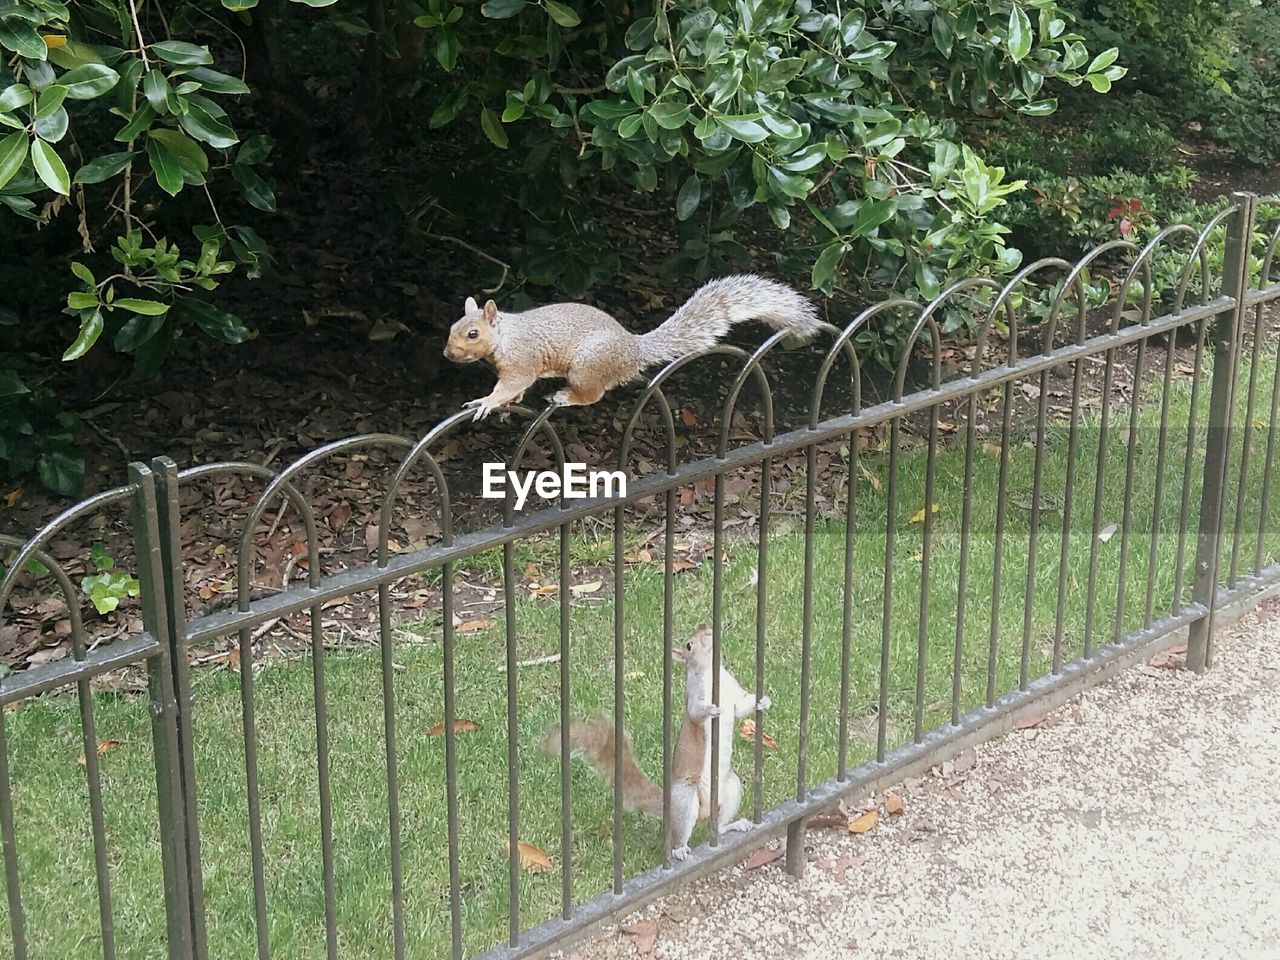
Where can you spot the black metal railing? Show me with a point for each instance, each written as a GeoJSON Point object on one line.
{"type": "Point", "coordinates": [1202, 477]}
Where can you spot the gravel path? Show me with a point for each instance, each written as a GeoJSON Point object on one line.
{"type": "Point", "coordinates": [1139, 820]}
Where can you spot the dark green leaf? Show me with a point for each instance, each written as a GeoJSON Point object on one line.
{"type": "Point", "coordinates": [156, 86]}
{"type": "Point", "coordinates": [216, 82]}
{"type": "Point", "coordinates": [137, 330]}
{"type": "Point", "coordinates": [83, 272]}
{"type": "Point", "coordinates": [89, 81]}
{"type": "Point", "coordinates": [744, 128]}
{"type": "Point", "coordinates": [825, 266]}
{"type": "Point", "coordinates": [256, 190]}
{"type": "Point", "coordinates": [562, 14]}
{"type": "Point", "coordinates": [50, 168]}
{"type": "Point", "coordinates": [50, 100]}
{"type": "Point", "coordinates": [502, 9]}
{"type": "Point", "coordinates": [181, 53]}
{"type": "Point", "coordinates": [492, 128]}
{"type": "Point", "coordinates": [669, 114]}
{"type": "Point", "coordinates": [141, 120]}
{"type": "Point", "coordinates": [23, 39]}
{"type": "Point", "coordinates": [1039, 108]}
{"type": "Point", "coordinates": [52, 128]}
{"type": "Point", "coordinates": [688, 198]}
{"type": "Point", "coordinates": [190, 155]}
{"type": "Point", "coordinates": [61, 469]}
{"type": "Point", "coordinates": [217, 323]}
{"type": "Point", "coordinates": [165, 165]}
{"type": "Point", "coordinates": [103, 168]}
{"type": "Point", "coordinates": [13, 150]}
{"type": "Point", "coordinates": [11, 98]}
{"type": "Point", "coordinates": [203, 125]}
{"type": "Point", "coordinates": [11, 384]}
{"type": "Point", "coordinates": [90, 330]}
{"type": "Point", "coordinates": [256, 149]}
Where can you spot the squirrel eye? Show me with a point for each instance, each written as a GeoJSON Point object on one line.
{"type": "Point", "coordinates": [472, 333]}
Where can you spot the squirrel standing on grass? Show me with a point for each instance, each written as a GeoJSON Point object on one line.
{"type": "Point", "coordinates": [691, 765]}
{"type": "Point", "coordinates": [595, 353]}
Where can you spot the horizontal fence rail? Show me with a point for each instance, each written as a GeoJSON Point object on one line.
{"type": "Point", "coordinates": [1063, 532]}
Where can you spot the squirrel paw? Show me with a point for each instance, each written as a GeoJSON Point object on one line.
{"type": "Point", "coordinates": [680, 853]}
{"type": "Point", "coordinates": [763, 704]}
{"type": "Point", "coordinates": [741, 825]}
{"type": "Point", "coordinates": [484, 406]}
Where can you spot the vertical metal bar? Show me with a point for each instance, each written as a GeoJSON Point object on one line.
{"type": "Point", "coordinates": [1099, 489]}
{"type": "Point", "coordinates": [566, 803]}
{"type": "Point", "coordinates": [1226, 347]}
{"type": "Point", "coordinates": [1264, 505]}
{"type": "Point", "coordinates": [513, 734]}
{"type": "Point", "coordinates": [451, 760]}
{"type": "Point", "coordinates": [1122, 579]}
{"type": "Point", "coordinates": [1033, 537]}
{"type": "Point", "coordinates": [886, 615]}
{"type": "Point", "coordinates": [993, 640]}
{"type": "Point", "coordinates": [1153, 550]}
{"type": "Point", "coordinates": [322, 777]}
{"type": "Point", "coordinates": [962, 577]}
{"type": "Point", "coordinates": [97, 820]}
{"type": "Point", "coordinates": [1245, 442]}
{"type": "Point", "coordinates": [164, 727]}
{"type": "Point", "coordinates": [253, 795]}
{"type": "Point", "coordinates": [385, 645]}
{"type": "Point", "coordinates": [12, 881]}
{"type": "Point", "coordinates": [846, 612]}
{"type": "Point", "coordinates": [1068, 496]}
{"type": "Point", "coordinates": [796, 857]}
{"type": "Point", "coordinates": [926, 551]}
{"type": "Point", "coordinates": [717, 643]}
{"type": "Point", "coordinates": [619, 701]}
{"type": "Point", "coordinates": [170, 522]}
{"type": "Point", "coordinates": [668, 663]}
{"type": "Point", "coordinates": [762, 579]}
{"type": "Point", "coordinates": [1184, 509]}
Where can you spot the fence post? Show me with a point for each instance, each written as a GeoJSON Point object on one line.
{"type": "Point", "coordinates": [164, 729]}
{"type": "Point", "coordinates": [170, 518]}
{"type": "Point", "coordinates": [1226, 355]}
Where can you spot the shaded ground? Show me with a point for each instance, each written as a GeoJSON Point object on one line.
{"type": "Point", "coordinates": [1138, 820]}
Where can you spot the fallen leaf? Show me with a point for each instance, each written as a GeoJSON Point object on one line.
{"type": "Point", "coordinates": [965, 761]}
{"type": "Point", "coordinates": [546, 590]}
{"type": "Point", "coordinates": [581, 589]}
{"type": "Point", "coordinates": [991, 448]}
{"type": "Point", "coordinates": [339, 516]}
{"type": "Point", "coordinates": [645, 932]}
{"type": "Point", "coordinates": [747, 731]}
{"type": "Point", "coordinates": [460, 725]}
{"type": "Point", "coordinates": [1107, 532]}
{"type": "Point", "coordinates": [14, 496]}
{"type": "Point", "coordinates": [918, 516]}
{"type": "Point", "coordinates": [682, 565]}
{"type": "Point", "coordinates": [689, 418]}
{"type": "Point", "coordinates": [532, 571]}
{"type": "Point", "coordinates": [893, 804]}
{"type": "Point", "coordinates": [864, 823]}
{"type": "Point", "coordinates": [103, 747]}
{"type": "Point", "coordinates": [870, 477]}
{"type": "Point", "coordinates": [474, 626]}
{"type": "Point", "coordinates": [827, 820]}
{"type": "Point", "coordinates": [531, 858]}
{"type": "Point", "coordinates": [845, 864]}
{"type": "Point", "coordinates": [1027, 720]}
{"type": "Point", "coordinates": [762, 856]}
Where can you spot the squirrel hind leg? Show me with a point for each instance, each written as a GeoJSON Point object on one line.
{"type": "Point", "coordinates": [578, 396]}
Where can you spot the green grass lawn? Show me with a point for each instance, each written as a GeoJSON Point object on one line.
{"type": "Point", "coordinates": [49, 787]}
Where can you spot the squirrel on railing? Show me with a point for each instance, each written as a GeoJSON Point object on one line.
{"type": "Point", "coordinates": [691, 763]}
{"type": "Point", "coordinates": [594, 353]}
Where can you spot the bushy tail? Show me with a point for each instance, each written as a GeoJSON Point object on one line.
{"type": "Point", "coordinates": [594, 742]}
{"type": "Point", "coordinates": [706, 317]}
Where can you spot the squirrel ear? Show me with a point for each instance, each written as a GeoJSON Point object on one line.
{"type": "Point", "coordinates": [471, 305]}
{"type": "Point", "coordinates": [490, 312]}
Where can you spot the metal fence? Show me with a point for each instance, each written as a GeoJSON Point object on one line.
{"type": "Point", "coordinates": [1206, 497]}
